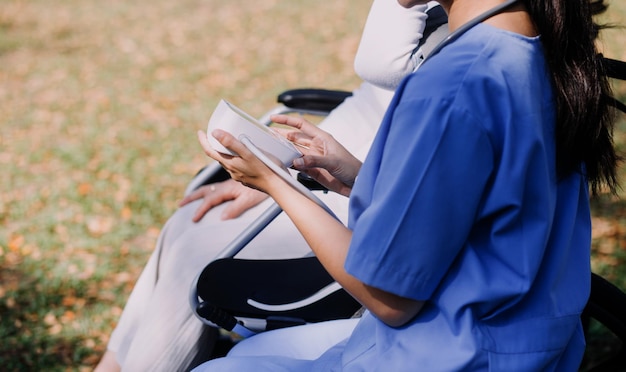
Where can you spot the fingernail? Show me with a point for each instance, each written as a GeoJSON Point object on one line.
{"type": "Point", "coordinates": [298, 162]}
{"type": "Point", "coordinates": [218, 134]}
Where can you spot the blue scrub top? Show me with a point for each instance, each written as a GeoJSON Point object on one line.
{"type": "Point", "coordinates": [459, 204]}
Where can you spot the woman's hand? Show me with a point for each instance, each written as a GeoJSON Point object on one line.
{"type": "Point", "coordinates": [245, 168]}
{"type": "Point", "coordinates": [217, 193]}
{"type": "Point", "coordinates": [325, 159]}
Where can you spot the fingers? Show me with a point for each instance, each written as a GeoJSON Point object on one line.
{"type": "Point", "coordinates": [234, 210]}
{"type": "Point", "coordinates": [246, 200]}
{"type": "Point", "coordinates": [312, 161]}
{"type": "Point", "coordinates": [211, 195]}
{"type": "Point", "coordinates": [194, 195]}
{"type": "Point", "coordinates": [225, 139]}
{"type": "Point", "coordinates": [298, 123]}
{"type": "Point", "coordinates": [329, 181]}
{"type": "Point", "coordinates": [204, 142]}
{"type": "Point", "coordinates": [203, 209]}
{"type": "Point", "coordinates": [295, 136]}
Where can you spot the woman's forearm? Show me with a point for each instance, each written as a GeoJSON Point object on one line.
{"type": "Point", "coordinates": [330, 239]}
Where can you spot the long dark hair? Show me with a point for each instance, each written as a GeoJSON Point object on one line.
{"type": "Point", "coordinates": [585, 119]}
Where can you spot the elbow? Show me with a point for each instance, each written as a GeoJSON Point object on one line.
{"type": "Point", "coordinates": [383, 73]}
{"type": "Point", "coordinates": [400, 314]}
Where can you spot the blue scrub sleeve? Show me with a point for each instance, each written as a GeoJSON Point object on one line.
{"type": "Point", "coordinates": [417, 196]}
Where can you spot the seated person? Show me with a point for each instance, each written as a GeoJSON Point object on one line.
{"type": "Point", "coordinates": [157, 330]}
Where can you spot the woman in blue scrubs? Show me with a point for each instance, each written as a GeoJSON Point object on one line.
{"type": "Point", "coordinates": [469, 233]}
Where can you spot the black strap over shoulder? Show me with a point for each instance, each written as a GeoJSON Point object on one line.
{"type": "Point", "coordinates": [437, 17]}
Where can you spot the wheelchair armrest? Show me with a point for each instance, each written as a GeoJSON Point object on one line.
{"type": "Point", "coordinates": [310, 183]}
{"type": "Point", "coordinates": [313, 99]}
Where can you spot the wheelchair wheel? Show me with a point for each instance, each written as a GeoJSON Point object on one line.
{"type": "Point", "coordinates": [605, 324]}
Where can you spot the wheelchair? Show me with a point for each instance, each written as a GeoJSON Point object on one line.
{"type": "Point", "coordinates": [275, 294]}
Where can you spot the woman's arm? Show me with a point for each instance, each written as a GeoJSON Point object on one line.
{"type": "Point", "coordinates": [328, 238]}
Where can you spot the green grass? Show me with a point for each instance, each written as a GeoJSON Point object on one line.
{"type": "Point", "coordinates": [99, 105]}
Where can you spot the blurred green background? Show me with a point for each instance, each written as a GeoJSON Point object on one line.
{"type": "Point", "coordinates": [99, 105]}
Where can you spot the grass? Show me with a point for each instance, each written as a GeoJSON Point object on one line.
{"type": "Point", "coordinates": [99, 104]}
